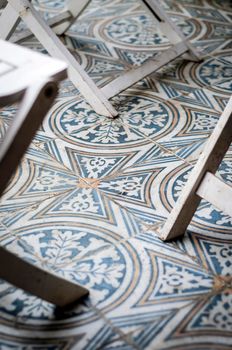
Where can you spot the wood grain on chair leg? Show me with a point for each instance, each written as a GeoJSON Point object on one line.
{"type": "Point", "coordinates": [217, 192]}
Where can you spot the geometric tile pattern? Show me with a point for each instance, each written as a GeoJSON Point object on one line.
{"type": "Point", "coordinates": [90, 194]}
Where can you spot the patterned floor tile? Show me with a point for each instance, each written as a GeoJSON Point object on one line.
{"type": "Point", "coordinates": [91, 194]}
{"type": "Point", "coordinates": [163, 282]}
{"type": "Point", "coordinates": [214, 73]}
{"type": "Point", "coordinates": [138, 186]}
{"type": "Point", "coordinates": [139, 115]}
{"type": "Point", "coordinates": [212, 252]}
{"type": "Point", "coordinates": [208, 327]}
{"type": "Point", "coordinates": [63, 333]}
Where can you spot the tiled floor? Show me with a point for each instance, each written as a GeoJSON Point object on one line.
{"type": "Point", "coordinates": [90, 195]}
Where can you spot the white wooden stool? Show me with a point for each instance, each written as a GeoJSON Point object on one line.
{"type": "Point", "coordinates": [31, 79]}
{"type": "Point", "coordinates": [202, 182]}
{"type": "Point", "coordinates": [96, 97]}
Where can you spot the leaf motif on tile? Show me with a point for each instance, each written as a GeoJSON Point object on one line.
{"type": "Point", "coordinates": [81, 256]}
{"type": "Point", "coordinates": [15, 302]}
{"type": "Point", "coordinates": [214, 72]}
{"type": "Point", "coordinates": [139, 115]}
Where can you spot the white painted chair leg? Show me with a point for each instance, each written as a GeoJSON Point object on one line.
{"type": "Point", "coordinates": [138, 73]}
{"type": "Point", "coordinates": [75, 8]}
{"type": "Point", "coordinates": [34, 106]}
{"type": "Point", "coordinates": [98, 98]}
{"type": "Point", "coordinates": [208, 162]}
{"type": "Point", "coordinates": [180, 46]}
{"type": "Point", "coordinates": [9, 19]}
{"type": "Point", "coordinates": [169, 28]}
{"type": "Point", "coordinates": [55, 47]}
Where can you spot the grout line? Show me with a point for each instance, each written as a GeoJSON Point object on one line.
{"type": "Point", "coordinates": [115, 329]}
{"type": "Point", "coordinates": [165, 149]}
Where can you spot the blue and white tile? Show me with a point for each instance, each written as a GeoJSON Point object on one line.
{"type": "Point", "coordinates": [58, 331]}
{"type": "Point", "coordinates": [162, 281]}
{"type": "Point", "coordinates": [90, 194]}
{"type": "Point", "coordinates": [139, 115]}
{"type": "Point", "coordinates": [211, 251]}
{"type": "Point", "coordinates": [137, 188]}
{"type": "Point", "coordinates": [195, 327]}
{"type": "Point", "coordinates": [35, 180]}
{"type": "Point", "coordinates": [214, 73]}
{"type": "Point", "coordinates": [206, 325]}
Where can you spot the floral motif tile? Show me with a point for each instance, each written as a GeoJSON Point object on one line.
{"type": "Point", "coordinates": [90, 195]}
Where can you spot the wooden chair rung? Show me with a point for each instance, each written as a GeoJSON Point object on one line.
{"type": "Point", "coordinates": [217, 192]}
{"type": "Point", "coordinates": [150, 66]}
{"type": "Point", "coordinates": [53, 22]}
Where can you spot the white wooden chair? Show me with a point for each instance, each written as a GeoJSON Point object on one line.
{"type": "Point", "coordinates": [97, 98]}
{"type": "Point", "coordinates": [31, 79]}
{"type": "Point", "coordinates": [23, 9]}
{"type": "Point", "coordinates": [202, 182]}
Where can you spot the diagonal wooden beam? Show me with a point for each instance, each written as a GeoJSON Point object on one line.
{"type": "Point", "coordinates": [37, 281]}
{"type": "Point", "coordinates": [150, 66]}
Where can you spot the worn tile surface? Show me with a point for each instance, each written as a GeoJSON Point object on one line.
{"type": "Point", "coordinates": [90, 194]}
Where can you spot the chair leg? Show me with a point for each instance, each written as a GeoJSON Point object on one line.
{"type": "Point", "coordinates": [55, 47]}
{"type": "Point", "coordinates": [209, 161]}
{"type": "Point", "coordinates": [169, 28]}
{"type": "Point", "coordinates": [9, 20]}
{"type": "Point", "coordinates": [151, 65]}
{"type": "Point", "coordinates": [75, 8]}
{"type": "Point", "coordinates": [34, 106]}
{"type": "Point", "coordinates": [37, 281]}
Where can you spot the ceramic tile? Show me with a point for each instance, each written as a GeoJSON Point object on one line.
{"type": "Point", "coordinates": [202, 332]}
{"type": "Point", "coordinates": [138, 187]}
{"type": "Point", "coordinates": [91, 194]}
{"type": "Point", "coordinates": [140, 115]}
{"type": "Point", "coordinates": [62, 331]}
{"type": "Point", "coordinates": [162, 281]}
{"type": "Point", "coordinates": [213, 253]}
